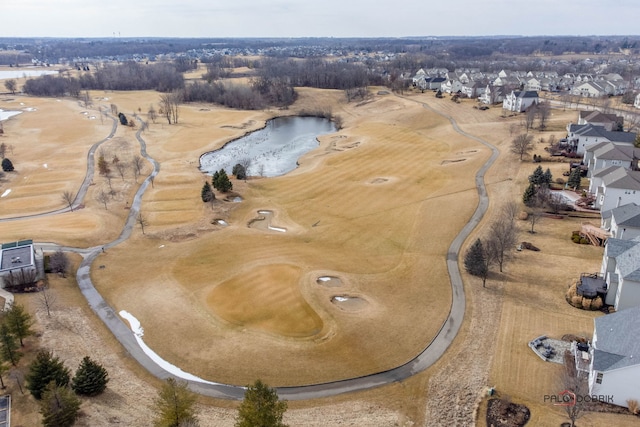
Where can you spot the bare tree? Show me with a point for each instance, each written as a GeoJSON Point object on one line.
{"type": "Point", "coordinates": [11, 85]}
{"type": "Point", "coordinates": [530, 117]}
{"type": "Point", "coordinates": [246, 164]}
{"type": "Point", "coordinates": [86, 99]}
{"type": "Point", "coordinates": [503, 236]}
{"type": "Point", "coordinates": [59, 263]}
{"type": "Point", "coordinates": [513, 128]}
{"type": "Point", "coordinates": [522, 145]}
{"type": "Point", "coordinates": [152, 114]}
{"type": "Point", "coordinates": [544, 111]}
{"type": "Point", "coordinates": [142, 222]}
{"type": "Point", "coordinates": [3, 150]}
{"type": "Point", "coordinates": [575, 389]}
{"type": "Point", "coordinates": [109, 178]}
{"type": "Point", "coordinates": [169, 103]}
{"type": "Point", "coordinates": [122, 167]}
{"type": "Point", "coordinates": [137, 163]}
{"type": "Point", "coordinates": [103, 198]}
{"type": "Point", "coordinates": [533, 217]}
{"type": "Point", "coordinates": [68, 198]}
{"type": "Point", "coordinates": [47, 299]}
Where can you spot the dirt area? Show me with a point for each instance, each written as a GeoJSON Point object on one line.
{"type": "Point", "coordinates": [382, 231]}
{"type": "Point", "coordinates": [502, 413]}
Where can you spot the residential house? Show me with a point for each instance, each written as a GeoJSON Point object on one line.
{"type": "Point", "coordinates": [607, 121]}
{"type": "Point", "coordinates": [581, 136]}
{"type": "Point", "coordinates": [473, 89]}
{"type": "Point", "coordinates": [589, 89]}
{"type": "Point", "coordinates": [614, 366]}
{"type": "Point", "coordinates": [18, 265]}
{"type": "Point", "coordinates": [636, 102]}
{"type": "Point", "coordinates": [622, 222]}
{"type": "Point", "coordinates": [520, 101]}
{"type": "Point", "coordinates": [531, 84]}
{"type": "Point", "coordinates": [604, 154]}
{"type": "Point", "coordinates": [451, 86]}
{"type": "Point", "coordinates": [614, 186]}
{"type": "Point", "coordinates": [493, 95]}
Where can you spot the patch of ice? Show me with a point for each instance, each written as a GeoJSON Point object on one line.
{"type": "Point", "coordinates": [222, 222]}
{"type": "Point", "coordinates": [92, 117]}
{"type": "Point", "coordinates": [139, 332]}
{"type": "Point", "coordinates": [161, 246]}
{"type": "Point", "coordinates": [264, 212]}
{"type": "Point", "coordinates": [45, 166]}
{"type": "Point", "coordinates": [341, 299]}
{"type": "Point", "coordinates": [324, 278]}
{"type": "Point", "coordinates": [6, 192]}
{"type": "Point", "coordinates": [29, 109]}
{"type": "Point", "coordinates": [281, 230]}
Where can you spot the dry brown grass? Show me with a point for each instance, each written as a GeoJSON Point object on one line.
{"type": "Point", "coordinates": [387, 195]}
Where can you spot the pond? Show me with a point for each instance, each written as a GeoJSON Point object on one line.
{"type": "Point", "coordinates": [18, 74]}
{"type": "Point", "coordinates": [271, 151]}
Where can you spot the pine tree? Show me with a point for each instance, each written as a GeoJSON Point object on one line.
{"type": "Point", "coordinates": [207, 193]}
{"type": "Point", "coordinates": [222, 182]}
{"type": "Point", "coordinates": [9, 346]}
{"type": "Point", "coordinates": [174, 404]}
{"type": "Point", "coordinates": [529, 196]}
{"type": "Point", "coordinates": [537, 177]}
{"type": "Point", "coordinates": [261, 407]}
{"type": "Point", "coordinates": [46, 368]}
{"type": "Point", "coordinates": [476, 261]}
{"type": "Point", "coordinates": [90, 378]}
{"type": "Point", "coordinates": [7, 166]}
{"type": "Point", "coordinates": [547, 178]}
{"type": "Point", "coordinates": [59, 406]}
{"type": "Point", "coordinates": [214, 180]}
{"type": "Point", "coordinates": [19, 322]}
{"type": "Point", "coordinates": [574, 178]}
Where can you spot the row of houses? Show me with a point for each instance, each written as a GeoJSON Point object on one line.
{"type": "Point", "coordinates": [474, 84]}
{"type": "Point", "coordinates": [612, 361]}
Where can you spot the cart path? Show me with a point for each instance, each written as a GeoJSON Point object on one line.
{"type": "Point", "coordinates": [427, 357]}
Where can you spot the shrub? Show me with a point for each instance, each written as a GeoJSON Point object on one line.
{"type": "Point", "coordinates": [596, 303]}
{"type": "Point", "coordinates": [584, 241]}
{"type": "Point", "coordinates": [576, 301]}
{"type": "Point", "coordinates": [560, 181]}
{"type": "Point", "coordinates": [634, 408]}
{"type": "Point", "coordinates": [7, 166]}
{"type": "Point", "coordinates": [586, 303]}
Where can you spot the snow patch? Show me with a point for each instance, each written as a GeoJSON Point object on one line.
{"type": "Point", "coordinates": [138, 331]}
{"type": "Point", "coordinates": [6, 193]}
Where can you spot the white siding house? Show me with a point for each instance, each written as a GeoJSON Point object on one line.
{"type": "Point", "coordinates": [622, 222]}
{"type": "Point", "coordinates": [520, 101]}
{"type": "Point", "coordinates": [615, 356]}
{"type": "Point", "coordinates": [618, 187]}
{"type": "Point", "coordinates": [582, 136]}
{"type": "Point", "coordinates": [621, 272]}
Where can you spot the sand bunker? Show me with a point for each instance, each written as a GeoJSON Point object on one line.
{"type": "Point", "coordinates": [329, 281]}
{"type": "Point", "coordinates": [446, 162]}
{"type": "Point", "coordinates": [349, 303]}
{"type": "Point", "coordinates": [263, 222]}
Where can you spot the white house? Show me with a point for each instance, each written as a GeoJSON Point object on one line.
{"type": "Point", "coordinates": [617, 186]}
{"type": "Point", "coordinates": [604, 154]}
{"type": "Point", "coordinates": [622, 222]}
{"type": "Point", "coordinates": [589, 89]}
{"type": "Point", "coordinates": [610, 122]}
{"type": "Point", "coordinates": [520, 101]}
{"type": "Point", "coordinates": [614, 368]}
{"type": "Point", "coordinates": [636, 102]}
{"type": "Point", "coordinates": [581, 136]}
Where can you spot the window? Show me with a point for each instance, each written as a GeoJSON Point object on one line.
{"type": "Point", "coordinates": [599, 377]}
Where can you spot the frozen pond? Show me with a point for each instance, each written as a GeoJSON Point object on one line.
{"type": "Point", "coordinates": [17, 74]}
{"type": "Point", "coordinates": [271, 151]}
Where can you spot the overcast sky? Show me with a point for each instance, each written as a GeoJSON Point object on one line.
{"type": "Point", "coordinates": [309, 18]}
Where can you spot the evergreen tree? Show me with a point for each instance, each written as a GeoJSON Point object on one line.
{"type": "Point", "coordinates": [537, 177]}
{"type": "Point", "coordinates": [574, 178]}
{"type": "Point", "coordinates": [8, 345]}
{"type": "Point", "coordinates": [214, 178]}
{"type": "Point", "coordinates": [547, 178]}
{"type": "Point", "coordinates": [46, 368]}
{"type": "Point", "coordinates": [90, 378]}
{"type": "Point", "coordinates": [239, 171]}
{"type": "Point", "coordinates": [7, 166]}
{"type": "Point", "coordinates": [174, 404]}
{"type": "Point", "coordinates": [207, 193]}
{"type": "Point", "coordinates": [19, 322]}
{"type": "Point", "coordinates": [529, 196]}
{"type": "Point", "coordinates": [476, 261]}
{"type": "Point", "coordinates": [222, 182]}
{"type": "Point", "coordinates": [261, 407]}
{"type": "Point", "coordinates": [59, 406]}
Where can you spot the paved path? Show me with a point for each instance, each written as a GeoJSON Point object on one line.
{"type": "Point", "coordinates": [433, 351]}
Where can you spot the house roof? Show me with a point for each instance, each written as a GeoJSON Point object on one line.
{"type": "Point", "coordinates": [612, 151]}
{"type": "Point", "coordinates": [622, 178]}
{"type": "Point", "coordinates": [526, 94]}
{"type": "Point", "coordinates": [16, 257]}
{"type": "Point", "coordinates": [598, 117]}
{"type": "Point", "coordinates": [628, 264]}
{"type": "Point", "coordinates": [617, 340]}
{"type": "Point", "coordinates": [601, 131]}
{"type": "Point", "coordinates": [616, 247]}
{"type": "Point", "coordinates": [601, 173]}
{"type": "Point", "coordinates": [626, 215]}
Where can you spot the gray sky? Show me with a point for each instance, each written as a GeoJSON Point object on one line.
{"type": "Point", "coordinates": [309, 18]}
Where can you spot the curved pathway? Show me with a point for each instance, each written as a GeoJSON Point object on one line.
{"type": "Point", "coordinates": [433, 351]}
